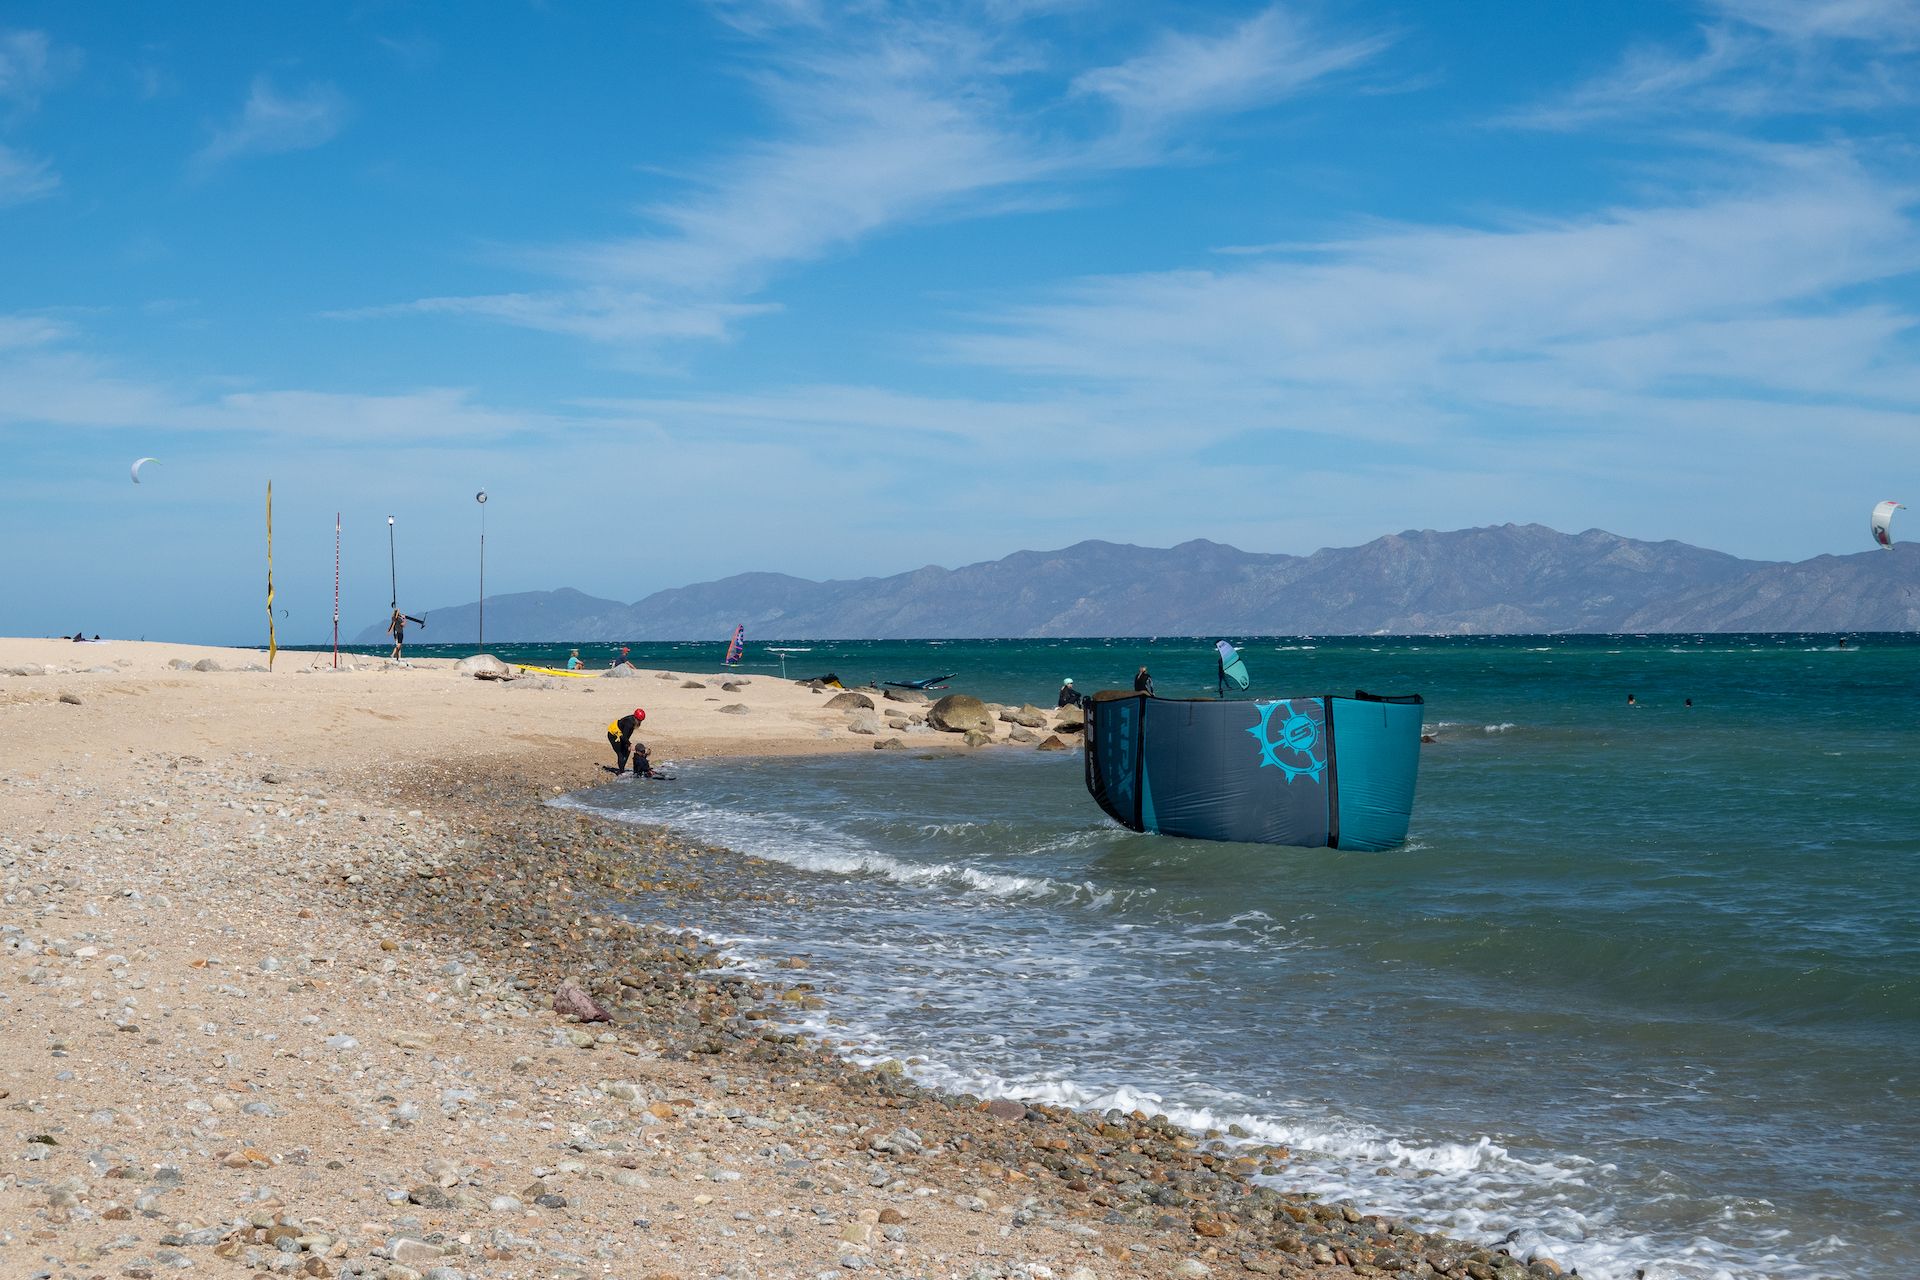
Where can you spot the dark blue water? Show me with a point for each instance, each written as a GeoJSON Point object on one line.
{"type": "Point", "coordinates": [1643, 985]}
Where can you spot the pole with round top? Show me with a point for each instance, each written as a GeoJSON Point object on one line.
{"type": "Point", "coordinates": [481, 498]}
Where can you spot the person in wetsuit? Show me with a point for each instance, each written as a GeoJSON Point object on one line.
{"type": "Point", "coordinates": [620, 737]}
{"type": "Point", "coordinates": [1069, 696]}
{"type": "Point", "coordinates": [397, 628]}
{"type": "Point", "coordinates": [1143, 682]}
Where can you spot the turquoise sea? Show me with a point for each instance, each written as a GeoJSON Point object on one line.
{"type": "Point", "coordinates": [1643, 986]}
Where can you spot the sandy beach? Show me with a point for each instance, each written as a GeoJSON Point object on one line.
{"type": "Point", "coordinates": [282, 956]}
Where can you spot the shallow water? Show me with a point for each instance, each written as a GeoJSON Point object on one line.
{"type": "Point", "coordinates": [1644, 985]}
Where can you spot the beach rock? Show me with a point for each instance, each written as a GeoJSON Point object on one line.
{"type": "Point", "coordinates": [735, 709]}
{"type": "Point", "coordinates": [1023, 736]}
{"type": "Point", "coordinates": [1027, 717]}
{"type": "Point", "coordinates": [1006, 1109]}
{"type": "Point", "coordinates": [1052, 742]}
{"type": "Point", "coordinates": [206, 664]}
{"type": "Point", "coordinates": [484, 666]}
{"type": "Point", "coordinates": [732, 686]}
{"type": "Point", "coordinates": [849, 702]}
{"type": "Point", "coordinates": [889, 744]}
{"type": "Point", "coordinates": [622, 673]}
{"type": "Point", "coordinates": [978, 738]}
{"type": "Point", "coordinates": [959, 713]}
{"type": "Point", "coordinates": [904, 695]}
{"type": "Point", "coordinates": [692, 684]}
{"type": "Point", "coordinates": [71, 699]}
{"type": "Point", "coordinates": [572, 998]}
{"type": "Point", "coordinates": [1069, 718]}
{"type": "Point", "coordinates": [864, 724]}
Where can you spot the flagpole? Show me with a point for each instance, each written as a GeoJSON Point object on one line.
{"type": "Point", "coordinates": [273, 643]}
{"type": "Point", "coordinates": [481, 498]}
{"type": "Point", "coordinates": [336, 591]}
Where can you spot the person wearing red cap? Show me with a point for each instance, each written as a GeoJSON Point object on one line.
{"type": "Point", "coordinates": [620, 737]}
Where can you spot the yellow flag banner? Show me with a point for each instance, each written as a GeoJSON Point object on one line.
{"type": "Point", "coordinates": [273, 644]}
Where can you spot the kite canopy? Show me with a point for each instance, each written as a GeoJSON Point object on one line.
{"type": "Point", "coordinates": [139, 464]}
{"type": "Point", "coordinates": [1233, 669]}
{"type": "Point", "coordinates": [1883, 522]}
{"type": "Point", "coordinates": [1321, 770]}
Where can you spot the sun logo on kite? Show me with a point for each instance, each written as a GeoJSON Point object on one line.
{"type": "Point", "coordinates": [1291, 746]}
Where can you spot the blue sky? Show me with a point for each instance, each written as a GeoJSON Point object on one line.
{"type": "Point", "coordinates": [845, 289]}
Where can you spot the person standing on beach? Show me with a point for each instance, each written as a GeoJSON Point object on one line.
{"type": "Point", "coordinates": [397, 628]}
{"type": "Point", "coordinates": [1143, 682]}
{"type": "Point", "coordinates": [620, 737]}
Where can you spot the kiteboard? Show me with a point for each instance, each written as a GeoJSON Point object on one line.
{"type": "Point", "coordinates": [931, 682]}
{"type": "Point", "coordinates": [556, 671]}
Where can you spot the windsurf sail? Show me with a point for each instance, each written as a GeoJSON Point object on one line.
{"type": "Point", "coordinates": [1233, 669]}
{"type": "Point", "coordinates": [1883, 522]}
{"type": "Point", "coordinates": [737, 646]}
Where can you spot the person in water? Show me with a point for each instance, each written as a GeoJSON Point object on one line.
{"type": "Point", "coordinates": [620, 737]}
{"type": "Point", "coordinates": [397, 628]}
{"type": "Point", "coordinates": [1143, 681]}
{"type": "Point", "coordinates": [1069, 696]}
{"type": "Point", "coordinates": [1631, 702]}
{"type": "Point", "coordinates": [573, 660]}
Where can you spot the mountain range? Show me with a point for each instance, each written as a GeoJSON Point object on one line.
{"type": "Point", "coordinates": [1499, 579]}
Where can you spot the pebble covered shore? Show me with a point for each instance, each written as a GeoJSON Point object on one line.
{"type": "Point", "coordinates": [265, 1021]}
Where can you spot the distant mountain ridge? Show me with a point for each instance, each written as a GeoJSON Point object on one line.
{"type": "Point", "coordinates": [1498, 579]}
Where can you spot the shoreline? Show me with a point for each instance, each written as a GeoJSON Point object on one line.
{"type": "Point", "coordinates": [284, 1006]}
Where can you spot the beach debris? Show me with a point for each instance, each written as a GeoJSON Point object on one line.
{"type": "Point", "coordinates": [849, 702]}
{"type": "Point", "coordinates": [572, 998]}
{"type": "Point", "coordinates": [959, 713]}
{"type": "Point", "coordinates": [484, 666]}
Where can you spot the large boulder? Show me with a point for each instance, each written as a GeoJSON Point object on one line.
{"type": "Point", "coordinates": [621, 673]}
{"type": "Point", "coordinates": [484, 666]}
{"type": "Point", "coordinates": [978, 738]}
{"type": "Point", "coordinates": [206, 664]}
{"type": "Point", "coordinates": [864, 723]}
{"type": "Point", "coordinates": [1027, 717]}
{"type": "Point", "coordinates": [1069, 718]}
{"type": "Point", "coordinates": [904, 695]}
{"type": "Point", "coordinates": [849, 702]}
{"type": "Point", "coordinates": [1051, 743]}
{"type": "Point", "coordinates": [960, 713]}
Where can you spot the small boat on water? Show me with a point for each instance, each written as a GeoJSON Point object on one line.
{"type": "Point", "coordinates": [1325, 770]}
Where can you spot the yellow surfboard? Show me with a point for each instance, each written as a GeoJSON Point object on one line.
{"type": "Point", "coordinates": [556, 671]}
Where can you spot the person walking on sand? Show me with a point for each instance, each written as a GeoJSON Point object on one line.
{"type": "Point", "coordinates": [397, 628]}
{"type": "Point", "coordinates": [620, 737]}
{"type": "Point", "coordinates": [1143, 682]}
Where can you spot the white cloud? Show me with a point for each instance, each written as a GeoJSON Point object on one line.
{"type": "Point", "coordinates": [1759, 58]}
{"type": "Point", "coordinates": [271, 122]}
{"type": "Point", "coordinates": [1268, 57]}
{"type": "Point", "coordinates": [888, 116]}
{"type": "Point", "coordinates": [29, 66]}
{"type": "Point", "coordinates": [24, 177]}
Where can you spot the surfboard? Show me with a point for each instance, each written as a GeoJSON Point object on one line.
{"type": "Point", "coordinates": [556, 671]}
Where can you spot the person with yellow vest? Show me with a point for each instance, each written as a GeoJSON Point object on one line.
{"type": "Point", "coordinates": [620, 737]}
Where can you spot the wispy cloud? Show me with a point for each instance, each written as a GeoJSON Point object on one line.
{"type": "Point", "coordinates": [272, 121]}
{"type": "Point", "coordinates": [1270, 56]}
{"type": "Point", "coordinates": [31, 64]}
{"type": "Point", "coordinates": [887, 117]}
{"type": "Point", "coordinates": [24, 177]}
{"type": "Point", "coordinates": [1756, 58]}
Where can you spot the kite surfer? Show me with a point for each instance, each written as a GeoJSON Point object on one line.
{"type": "Point", "coordinates": [1143, 682]}
{"type": "Point", "coordinates": [1069, 696]}
{"type": "Point", "coordinates": [397, 628]}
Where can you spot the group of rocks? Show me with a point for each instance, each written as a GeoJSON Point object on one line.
{"type": "Point", "coordinates": [977, 722]}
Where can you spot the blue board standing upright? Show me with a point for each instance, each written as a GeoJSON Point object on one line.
{"type": "Point", "coordinates": [1322, 770]}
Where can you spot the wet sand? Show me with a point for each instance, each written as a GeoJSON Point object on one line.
{"type": "Point", "coordinates": [278, 964]}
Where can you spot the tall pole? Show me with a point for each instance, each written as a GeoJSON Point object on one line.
{"type": "Point", "coordinates": [481, 498]}
{"type": "Point", "coordinates": [336, 591]}
{"type": "Point", "coordinates": [393, 573]}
